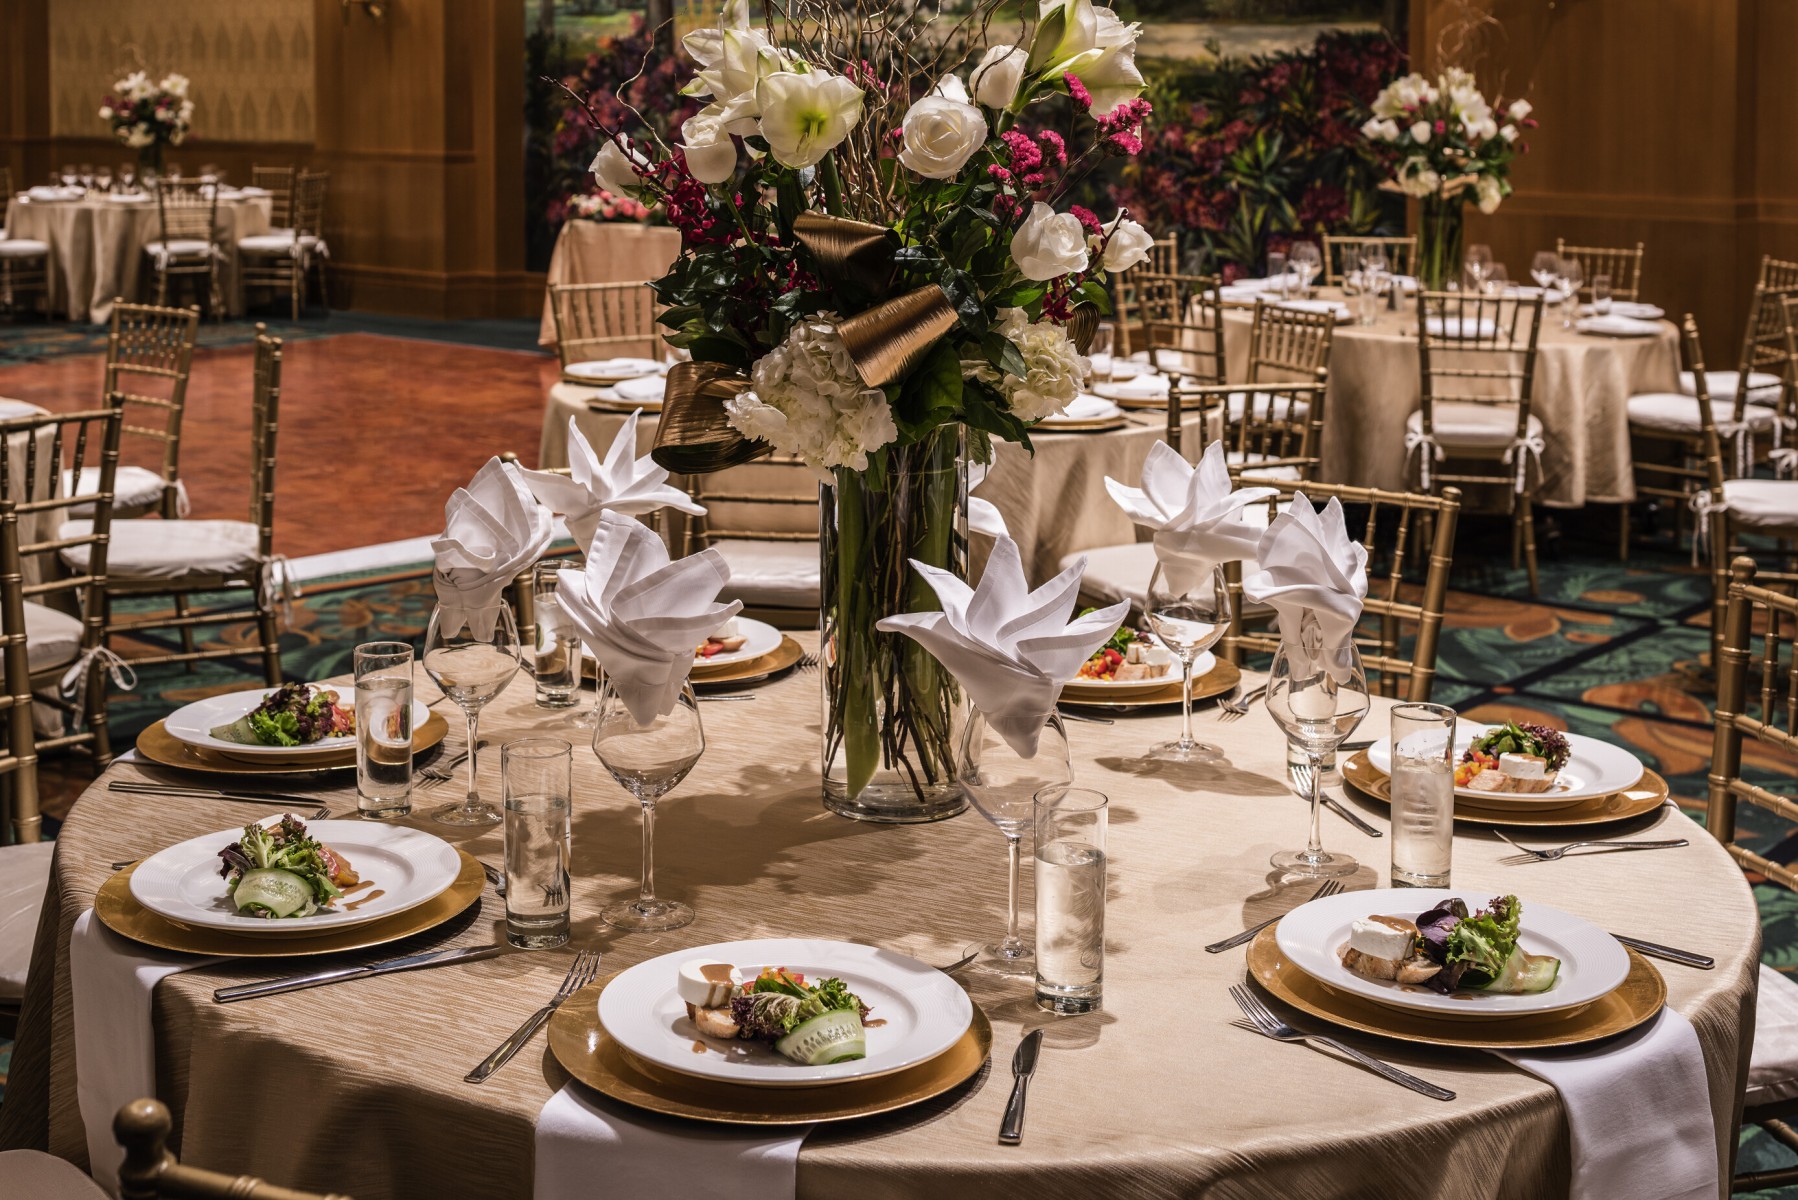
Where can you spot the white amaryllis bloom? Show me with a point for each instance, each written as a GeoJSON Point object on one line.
{"type": "Point", "coordinates": [1052, 367]}
{"type": "Point", "coordinates": [809, 401]}
{"type": "Point", "coordinates": [941, 135]}
{"type": "Point", "coordinates": [1108, 70]}
{"type": "Point", "coordinates": [706, 46]}
{"type": "Point", "coordinates": [998, 74]}
{"type": "Point", "coordinates": [1508, 132]}
{"type": "Point", "coordinates": [614, 169]}
{"type": "Point", "coordinates": [1420, 132]}
{"type": "Point", "coordinates": [1519, 110]}
{"type": "Point", "coordinates": [134, 86]}
{"type": "Point", "coordinates": [733, 59]}
{"type": "Point", "coordinates": [711, 155]}
{"type": "Point", "coordinates": [1490, 193]}
{"type": "Point", "coordinates": [1417, 178]}
{"type": "Point", "coordinates": [1049, 244]}
{"type": "Point", "coordinates": [1402, 96]}
{"type": "Point", "coordinates": [1064, 29]}
{"type": "Point", "coordinates": [174, 85]}
{"type": "Point", "coordinates": [1126, 245]}
{"type": "Point", "coordinates": [105, 112]}
{"type": "Point", "coordinates": [806, 116]}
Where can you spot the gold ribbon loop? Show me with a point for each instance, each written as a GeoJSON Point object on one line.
{"type": "Point", "coordinates": [1082, 326]}
{"type": "Point", "coordinates": [849, 252]}
{"type": "Point", "coordinates": [889, 340]}
{"type": "Point", "coordinates": [695, 436]}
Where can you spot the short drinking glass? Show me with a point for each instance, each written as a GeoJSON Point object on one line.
{"type": "Point", "coordinates": [1070, 899]}
{"type": "Point", "coordinates": [536, 778]}
{"type": "Point", "coordinates": [1423, 794]}
{"type": "Point", "coordinates": [1277, 277]}
{"type": "Point", "coordinates": [1601, 295]}
{"type": "Point", "coordinates": [1100, 351]}
{"type": "Point", "coordinates": [384, 729]}
{"type": "Point", "coordinates": [557, 661]}
{"type": "Point", "coordinates": [472, 657]}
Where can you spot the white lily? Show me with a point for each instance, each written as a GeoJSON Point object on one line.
{"type": "Point", "coordinates": [706, 46]}
{"type": "Point", "coordinates": [1065, 29]}
{"type": "Point", "coordinates": [1108, 70]}
{"type": "Point", "coordinates": [806, 116]}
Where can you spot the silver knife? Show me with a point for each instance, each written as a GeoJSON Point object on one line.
{"type": "Point", "coordinates": [294, 983]}
{"type": "Point", "coordinates": [1703, 962]}
{"type": "Point", "coordinates": [1023, 1066]}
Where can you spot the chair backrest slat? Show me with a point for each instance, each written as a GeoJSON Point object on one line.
{"type": "Point", "coordinates": [1493, 364]}
{"type": "Point", "coordinates": [1767, 714]}
{"type": "Point", "coordinates": [603, 320]}
{"type": "Point", "coordinates": [148, 347]}
{"type": "Point", "coordinates": [1622, 263]}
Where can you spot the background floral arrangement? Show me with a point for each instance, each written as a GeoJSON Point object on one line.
{"type": "Point", "coordinates": [1449, 140]}
{"type": "Point", "coordinates": [602, 205]}
{"type": "Point", "coordinates": [146, 114]}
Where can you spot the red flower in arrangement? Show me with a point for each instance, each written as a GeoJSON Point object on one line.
{"type": "Point", "coordinates": [1078, 91]}
{"type": "Point", "coordinates": [1026, 155]}
{"type": "Point", "coordinates": [1088, 219]}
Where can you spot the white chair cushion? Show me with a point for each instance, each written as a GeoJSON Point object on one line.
{"type": "Point", "coordinates": [772, 574]}
{"type": "Point", "coordinates": [1283, 408]}
{"type": "Point", "coordinates": [133, 488]}
{"type": "Point", "coordinates": [1763, 388]}
{"type": "Point", "coordinates": [179, 248]}
{"type": "Point", "coordinates": [22, 248]}
{"type": "Point", "coordinates": [1762, 503]}
{"type": "Point", "coordinates": [156, 549]}
{"type": "Point", "coordinates": [1237, 458]}
{"type": "Point", "coordinates": [1677, 412]}
{"type": "Point", "coordinates": [52, 637]}
{"type": "Point", "coordinates": [45, 1176]}
{"type": "Point", "coordinates": [1466, 426]}
{"type": "Point", "coordinates": [1773, 1063]}
{"type": "Point", "coordinates": [278, 241]}
{"type": "Point", "coordinates": [24, 877]}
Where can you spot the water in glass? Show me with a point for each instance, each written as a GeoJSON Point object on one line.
{"type": "Point", "coordinates": [556, 662]}
{"type": "Point", "coordinates": [383, 673]}
{"type": "Point", "coordinates": [536, 775]}
{"type": "Point", "coordinates": [1423, 794]}
{"type": "Point", "coordinates": [1070, 899]}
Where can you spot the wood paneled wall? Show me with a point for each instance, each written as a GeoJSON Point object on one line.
{"type": "Point", "coordinates": [1663, 121]}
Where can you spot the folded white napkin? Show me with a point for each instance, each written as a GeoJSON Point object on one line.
{"type": "Point", "coordinates": [1084, 407]}
{"type": "Point", "coordinates": [1195, 512]}
{"type": "Point", "coordinates": [1311, 568]}
{"type": "Point", "coordinates": [623, 483]}
{"type": "Point", "coordinates": [1616, 325]}
{"type": "Point", "coordinates": [1334, 308]}
{"type": "Point", "coordinates": [1137, 387]}
{"type": "Point", "coordinates": [640, 614]}
{"type": "Point", "coordinates": [983, 515]}
{"type": "Point", "coordinates": [1459, 327]}
{"type": "Point", "coordinates": [1010, 647]}
{"type": "Point", "coordinates": [1627, 308]}
{"type": "Point", "coordinates": [648, 389]}
{"type": "Point", "coordinates": [110, 982]}
{"type": "Point", "coordinates": [1638, 1113]}
{"type": "Point", "coordinates": [1248, 284]}
{"type": "Point", "coordinates": [493, 529]}
{"type": "Point", "coordinates": [612, 369]}
{"type": "Point", "coordinates": [582, 1140]}
{"type": "Point", "coordinates": [1239, 295]}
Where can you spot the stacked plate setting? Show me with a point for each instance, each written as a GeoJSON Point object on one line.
{"type": "Point", "coordinates": [192, 725]}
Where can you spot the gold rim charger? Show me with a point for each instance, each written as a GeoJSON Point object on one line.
{"type": "Point", "coordinates": [161, 747]}
{"type": "Point", "coordinates": [585, 1052]}
{"type": "Point", "coordinates": [122, 914]}
{"type": "Point", "coordinates": [1650, 792]}
{"type": "Point", "coordinates": [1219, 679]}
{"type": "Point", "coordinates": [1096, 425]}
{"type": "Point", "coordinates": [752, 670]}
{"type": "Point", "coordinates": [1639, 997]}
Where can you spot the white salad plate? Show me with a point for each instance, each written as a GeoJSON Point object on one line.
{"type": "Point", "coordinates": [1082, 410]}
{"type": "Point", "coordinates": [645, 389]}
{"type": "Point", "coordinates": [1200, 666]}
{"type": "Point", "coordinates": [1628, 308]}
{"type": "Point", "coordinates": [402, 868]}
{"type": "Point", "coordinates": [1593, 963]}
{"type": "Point", "coordinates": [1594, 768]}
{"type": "Point", "coordinates": [1614, 325]}
{"type": "Point", "coordinates": [613, 370]}
{"type": "Point", "coordinates": [763, 639]}
{"type": "Point", "coordinates": [194, 723]}
{"type": "Point", "coordinates": [918, 1011]}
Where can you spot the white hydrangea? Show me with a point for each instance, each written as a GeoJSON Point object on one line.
{"type": "Point", "coordinates": [1052, 367]}
{"type": "Point", "coordinates": [809, 401]}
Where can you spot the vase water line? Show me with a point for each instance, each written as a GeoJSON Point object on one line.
{"type": "Point", "coordinates": [1439, 238]}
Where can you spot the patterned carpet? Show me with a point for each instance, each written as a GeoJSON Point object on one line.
{"type": "Point", "coordinates": [26, 341]}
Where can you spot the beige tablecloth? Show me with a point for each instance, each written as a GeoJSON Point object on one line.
{"type": "Point", "coordinates": [97, 248]}
{"type": "Point", "coordinates": [1582, 386]}
{"type": "Point", "coordinates": [607, 252]}
{"type": "Point", "coordinates": [1157, 1096]}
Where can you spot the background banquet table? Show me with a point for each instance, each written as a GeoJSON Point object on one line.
{"type": "Point", "coordinates": [1583, 384]}
{"type": "Point", "coordinates": [1157, 1096]}
{"type": "Point", "coordinates": [607, 252]}
{"type": "Point", "coordinates": [97, 247]}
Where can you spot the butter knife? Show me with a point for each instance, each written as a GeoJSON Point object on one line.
{"type": "Point", "coordinates": [411, 962]}
{"type": "Point", "coordinates": [1703, 962]}
{"type": "Point", "coordinates": [1023, 1066]}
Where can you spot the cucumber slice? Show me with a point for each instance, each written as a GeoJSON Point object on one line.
{"type": "Point", "coordinates": [274, 891]}
{"type": "Point", "coordinates": [834, 1037]}
{"type": "Point", "coordinates": [1526, 973]}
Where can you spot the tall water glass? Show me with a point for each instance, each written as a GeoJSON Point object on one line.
{"type": "Point", "coordinates": [1070, 899]}
{"type": "Point", "coordinates": [1188, 616]}
{"type": "Point", "coordinates": [1276, 273]}
{"type": "Point", "coordinates": [557, 661]}
{"type": "Point", "coordinates": [472, 662]}
{"type": "Point", "coordinates": [1423, 794]}
{"type": "Point", "coordinates": [383, 729]}
{"type": "Point", "coordinates": [1099, 353]}
{"type": "Point", "coordinates": [1601, 295]}
{"type": "Point", "coordinates": [536, 777]}
{"type": "Point", "coordinates": [1570, 278]}
{"type": "Point", "coordinates": [648, 759]}
{"type": "Point", "coordinates": [1317, 696]}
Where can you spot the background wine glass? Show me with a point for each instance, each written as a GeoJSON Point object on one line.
{"type": "Point", "coordinates": [103, 178]}
{"type": "Point", "coordinates": [1317, 697]}
{"type": "Point", "coordinates": [1188, 622]}
{"type": "Point", "coordinates": [1277, 274]}
{"type": "Point", "coordinates": [1002, 785]}
{"type": "Point", "coordinates": [1543, 269]}
{"type": "Point", "coordinates": [648, 759]}
{"type": "Point", "coordinates": [1306, 261]}
{"type": "Point", "coordinates": [1570, 276]}
{"type": "Point", "coordinates": [472, 670]}
{"type": "Point", "coordinates": [1495, 281]}
{"type": "Point", "coordinates": [1476, 263]}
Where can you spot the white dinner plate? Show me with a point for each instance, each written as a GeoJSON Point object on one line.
{"type": "Point", "coordinates": [1312, 936]}
{"type": "Point", "coordinates": [1137, 387]}
{"type": "Point", "coordinates": [921, 1012]}
{"type": "Point", "coordinates": [1084, 408]}
{"type": "Point", "coordinates": [1628, 308]}
{"type": "Point", "coordinates": [1594, 768]}
{"type": "Point", "coordinates": [1613, 325]}
{"type": "Point", "coordinates": [402, 868]}
{"type": "Point", "coordinates": [645, 389]}
{"type": "Point", "coordinates": [613, 370]}
{"type": "Point", "coordinates": [194, 723]}
{"type": "Point", "coordinates": [763, 639]}
{"type": "Point", "coordinates": [253, 193]}
{"type": "Point", "coordinates": [1200, 665]}
{"type": "Point", "coordinates": [1333, 308]}
{"type": "Point", "coordinates": [128, 198]}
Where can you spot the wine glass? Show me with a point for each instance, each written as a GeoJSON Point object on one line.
{"type": "Point", "coordinates": [69, 175]}
{"type": "Point", "coordinates": [1477, 262]}
{"type": "Point", "coordinates": [1496, 280]}
{"type": "Point", "coordinates": [1543, 269]}
{"type": "Point", "coordinates": [1002, 785]}
{"type": "Point", "coordinates": [103, 178]}
{"type": "Point", "coordinates": [1306, 261]}
{"type": "Point", "coordinates": [472, 662]}
{"type": "Point", "coordinates": [127, 177]}
{"type": "Point", "coordinates": [648, 759]}
{"type": "Point", "coordinates": [1188, 612]}
{"type": "Point", "coordinates": [1317, 696]}
{"type": "Point", "coordinates": [1570, 277]}
{"type": "Point", "coordinates": [1098, 354]}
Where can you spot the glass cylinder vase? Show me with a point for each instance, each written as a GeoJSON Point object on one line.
{"type": "Point", "coordinates": [149, 160]}
{"type": "Point", "coordinates": [893, 717]}
{"type": "Point", "coordinates": [1439, 238]}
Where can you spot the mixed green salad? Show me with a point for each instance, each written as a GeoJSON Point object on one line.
{"type": "Point", "coordinates": [1549, 745]}
{"type": "Point", "coordinates": [281, 870]}
{"type": "Point", "coordinates": [1479, 951]}
{"type": "Point", "coordinates": [810, 1024]}
{"type": "Point", "coordinates": [294, 714]}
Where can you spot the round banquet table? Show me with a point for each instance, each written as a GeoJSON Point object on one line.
{"type": "Point", "coordinates": [97, 247]}
{"type": "Point", "coordinates": [606, 252]}
{"type": "Point", "coordinates": [1583, 383]}
{"type": "Point", "coordinates": [1156, 1096]}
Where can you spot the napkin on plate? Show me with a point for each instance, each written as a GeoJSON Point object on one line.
{"type": "Point", "coordinates": [614, 369]}
{"type": "Point", "coordinates": [493, 530]}
{"type": "Point", "coordinates": [1196, 512]}
{"type": "Point", "coordinates": [641, 614]}
{"type": "Point", "coordinates": [1334, 308]}
{"type": "Point", "coordinates": [646, 389]}
{"type": "Point", "coordinates": [1084, 407]}
{"type": "Point", "coordinates": [1617, 325]}
{"type": "Point", "coordinates": [1459, 327]}
{"type": "Point", "coordinates": [1627, 308]}
{"type": "Point", "coordinates": [1010, 647]}
{"type": "Point", "coordinates": [1311, 570]}
{"type": "Point", "coordinates": [1137, 387]}
{"type": "Point", "coordinates": [622, 483]}
{"type": "Point", "coordinates": [1638, 1113]}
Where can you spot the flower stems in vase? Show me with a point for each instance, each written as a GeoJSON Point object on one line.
{"type": "Point", "coordinates": [1440, 232]}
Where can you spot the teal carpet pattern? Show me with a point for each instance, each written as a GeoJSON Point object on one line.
{"type": "Point", "coordinates": [27, 341]}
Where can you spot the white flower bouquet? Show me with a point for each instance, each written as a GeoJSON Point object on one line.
{"type": "Point", "coordinates": [148, 115]}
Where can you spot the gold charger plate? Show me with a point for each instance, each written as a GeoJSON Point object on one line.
{"type": "Point", "coordinates": [585, 1052]}
{"type": "Point", "coordinates": [1219, 679]}
{"type": "Point", "coordinates": [621, 405]}
{"type": "Point", "coordinates": [752, 670]}
{"type": "Point", "coordinates": [1096, 425]}
{"type": "Point", "coordinates": [160, 746]}
{"type": "Point", "coordinates": [1650, 793]}
{"type": "Point", "coordinates": [1640, 996]}
{"type": "Point", "coordinates": [122, 914]}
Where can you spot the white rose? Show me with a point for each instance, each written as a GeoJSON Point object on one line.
{"type": "Point", "coordinates": [1420, 132]}
{"type": "Point", "coordinates": [1049, 244]}
{"type": "Point", "coordinates": [711, 155]}
{"type": "Point", "coordinates": [941, 135]}
{"type": "Point", "coordinates": [998, 74]}
{"type": "Point", "coordinates": [614, 169]}
{"type": "Point", "coordinates": [1509, 133]}
{"type": "Point", "coordinates": [105, 112]}
{"type": "Point", "coordinates": [1520, 109]}
{"type": "Point", "coordinates": [1490, 193]}
{"type": "Point", "coordinates": [950, 87]}
{"type": "Point", "coordinates": [1128, 244]}
{"type": "Point", "coordinates": [804, 117]}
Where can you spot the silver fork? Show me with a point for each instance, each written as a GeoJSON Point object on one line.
{"type": "Point", "coordinates": [1230, 709]}
{"type": "Point", "coordinates": [1301, 775]}
{"type": "Point", "coordinates": [580, 974]}
{"type": "Point", "coordinates": [807, 662]}
{"type": "Point", "coordinates": [442, 771]}
{"type": "Point", "coordinates": [1328, 888]}
{"type": "Point", "coordinates": [1261, 1020]}
{"type": "Point", "coordinates": [1550, 855]}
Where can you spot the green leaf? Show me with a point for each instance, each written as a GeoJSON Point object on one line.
{"type": "Point", "coordinates": [931, 394]}
{"type": "Point", "coordinates": [1003, 354]}
{"type": "Point", "coordinates": [981, 410]}
{"type": "Point", "coordinates": [722, 347]}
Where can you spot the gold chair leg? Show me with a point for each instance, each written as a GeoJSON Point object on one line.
{"type": "Point", "coordinates": [1526, 528]}
{"type": "Point", "coordinates": [1623, 533]}
{"type": "Point", "coordinates": [271, 642]}
{"type": "Point", "coordinates": [187, 632]}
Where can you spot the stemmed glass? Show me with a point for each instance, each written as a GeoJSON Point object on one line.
{"type": "Point", "coordinates": [1003, 786]}
{"type": "Point", "coordinates": [1277, 273]}
{"type": "Point", "coordinates": [1570, 277]}
{"type": "Point", "coordinates": [1477, 263]}
{"type": "Point", "coordinates": [127, 178]}
{"type": "Point", "coordinates": [103, 179]}
{"type": "Point", "coordinates": [1306, 262]}
{"type": "Point", "coordinates": [1376, 277]}
{"type": "Point", "coordinates": [1543, 269]}
{"type": "Point", "coordinates": [1317, 697]}
{"type": "Point", "coordinates": [472, 663]}
{"type": "Point", "coordinates": [648, 759]}
{"type": "Point", "coordinates": [1188, 621]}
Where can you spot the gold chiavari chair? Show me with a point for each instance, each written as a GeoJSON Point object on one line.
{"type": "Point", "coordinates": [1477, 366]}
{"type": "Point", "coordinates": [1342, 255]}
{"type": "Point", "coordinates": [285, 258]}
{"type": "Point", "coordinates": [150, 1171]}
{"type": "Point", "coordinates": [1778, 274]}
{"type": "Point", "coordinates": [187, 223]}
{"type": "Point", "coordinates": [278, 183]}
{"type": "Point", "coordinates": [604, 320]}
{"type": "Point", "coordinates": [149, 358]}
{"type": "Point", "coordinates": [762, 517]}
{"type": "Point", "coordinates": [1164, 259]}
{"type": "Point", "coordinates": [1184, 330]}
{"type": "Point", "coordinates": [1762, 365]}
{"type": "Point", "coordinates": [181, 559]}
{"type": "Point", "coordinates": [1785, 414]}
{"type": "Point", "coordinates": [24, 262]}
{"type": "Point", "coordinates": [1622, 264]}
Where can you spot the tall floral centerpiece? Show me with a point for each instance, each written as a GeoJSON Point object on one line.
{"type": "Point", "coordinates": [1452, 145]}
{"type": "Point", "coordinates": [149, 115]}
{"type": "Point", "coordinates": [876, 279]}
